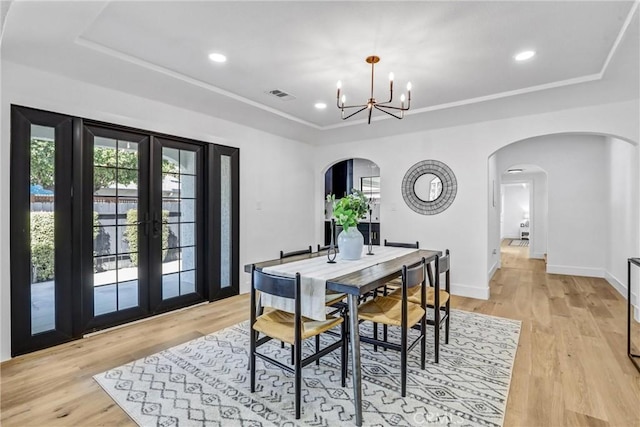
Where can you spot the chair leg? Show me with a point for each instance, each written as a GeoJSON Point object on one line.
{"type": "Point", "coordinates": [252, 360]}
{"type": "Point", "coordinates": [281, 344]}
{"type": "Point", "coordinates": [436, 333]}
{"type": "Point", "coordinates": [403, 362]}
{"type": "Point", "coordinates": [317, 349]}
{"type": "Point", "coordinates": [446, 325]}
{"type": "Point", "coordinates": [384, 327]}
{"type": "Point", "coordinates": [293, 354]}
{"type": "Point", "coordinates": [298, 377]}
{"type": "Point", "coordinates": [384, 335]}
{"type": "Point", "coordinates": [343, 354]}
{"type": "Point", "coordinates": [375, 335]}
{"type": "Point", "coordinates": [423, 343]}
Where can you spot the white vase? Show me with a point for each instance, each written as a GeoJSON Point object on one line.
{"type": "Point", "coordinates": [350, 243]}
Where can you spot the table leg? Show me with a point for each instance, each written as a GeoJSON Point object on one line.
{"type": "Point", "coordinates": [355, 357]}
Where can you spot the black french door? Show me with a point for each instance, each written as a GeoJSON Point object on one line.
{"type": "Point", "coordinates": [111, 224]}
{"type": "Point", "coordinates": [145, 209]}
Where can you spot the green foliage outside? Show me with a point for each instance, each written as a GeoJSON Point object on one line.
{"type": "Point", "coordinates": [127, 167]}
{"type": "Point", "coordinates": [106, 160]}
{"type": "Point", "coordinates": [131, 234]}
{"type": "Point", "coordinates": [42, 161]}
{"type": "Point", "coordinates": [43, 244]}
{"type": "Point", "coordinates": [349, 210]}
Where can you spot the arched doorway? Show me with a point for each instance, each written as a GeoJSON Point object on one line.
{"type": "Point", "coordinates": [340, 178]}
{"type": "Point", "coordinates": [593, 199]}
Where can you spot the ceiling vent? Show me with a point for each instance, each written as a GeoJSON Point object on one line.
{"type": "Point", "coordinates": [281, 94]}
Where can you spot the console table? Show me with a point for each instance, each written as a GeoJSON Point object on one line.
{"type": "Point", "coordinates": [634, 357]}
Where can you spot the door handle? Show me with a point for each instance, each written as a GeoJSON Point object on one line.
{"type": "Point", "coordinates": [157, 225]}
{"type": "Point", "coordinates": [145, 222]}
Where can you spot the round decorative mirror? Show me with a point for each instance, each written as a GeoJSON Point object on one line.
{"type": "Point", "coordinates": [429, 187]}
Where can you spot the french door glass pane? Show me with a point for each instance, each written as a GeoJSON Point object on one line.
{"type": "Point", "coordinates": [42, 232]}
{"type": "Point", "coordinates": [179, 222]}
{"type": "Point", "coordinates": [225, 221]}
{"type": "Point", "coordinates": [115, 232]}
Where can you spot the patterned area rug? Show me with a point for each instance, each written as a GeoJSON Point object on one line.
{"type": "Point", "coordinates": [205, 382]}
{"type": "Point", "coordinates": [518, 242]}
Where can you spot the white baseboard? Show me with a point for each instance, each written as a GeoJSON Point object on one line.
{"type": "Point", "coordinates": [617, 285]}
{"type": "Point", "coordinates": [622, 290]}
{"type": "Point", "coordinates": [575, 271]}
{"type": "Point", "coordinates": [470, 291]}
{"type": "Point", "coordinates": [492, 271]}
{"type": "Point", "coordinates": [536, 255]}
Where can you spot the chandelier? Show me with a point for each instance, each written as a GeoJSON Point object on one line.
{"type": "Point", "coordinates": [385, 107]}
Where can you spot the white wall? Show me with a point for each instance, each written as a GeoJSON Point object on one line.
{"type": "Point", "coordinates": [276, 174]}
{"type": "Point", "coordinates": [516, 204]}
{"type": "Point", "coordinates": [466, 149]}
{"type": "Point", "coordinates": [577, 183]}
{"type": "Point", "coordinates": [621, 167]}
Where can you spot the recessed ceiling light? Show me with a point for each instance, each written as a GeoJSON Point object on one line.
{"type": "Point", "coordinates": [217, 57]}
{"type": "Point", "coordinates": [523, 56]}
{"type": "Point", "coordinates": [320, 105]}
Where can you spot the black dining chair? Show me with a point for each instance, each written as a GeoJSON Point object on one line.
{"type": "Point", "coordinates": [394, 283]}
{"type": "Point", "coordinates": [295, 253]}
{"type": "Point", "coordinates": [332, 299]}
{"type": "Point", "coordinates": [438, 299]}
{"type": "Point", "coordinates": [415, 245]}
{"type": "Point", "coordinates": [400, 313]}
{"type": "Point", "coordinates": [292, 328]}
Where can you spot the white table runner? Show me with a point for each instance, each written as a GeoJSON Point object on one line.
{"type": "Point", "coordinates": [315, 272]}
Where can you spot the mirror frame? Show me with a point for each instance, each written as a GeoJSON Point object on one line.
{"type": "Point", "coordinates": [449, 187]}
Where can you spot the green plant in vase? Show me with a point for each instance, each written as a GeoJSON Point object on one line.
{"type": "Point", "coordinates": [347, 212]}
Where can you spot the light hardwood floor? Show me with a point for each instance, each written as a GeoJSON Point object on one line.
{"type": "Point", "coordinates": [571, 367]}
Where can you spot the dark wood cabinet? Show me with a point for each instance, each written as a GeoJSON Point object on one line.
{"type": "Point", "coordinates": [363, 227]}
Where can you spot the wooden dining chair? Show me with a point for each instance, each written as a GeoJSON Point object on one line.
{"type": "Point", "coordinates": [394, 284]}
{"type": "Point", "coordinates": [400, 313]}
{"type": "Point", "coordinates": [284, 254]}
{"type": "Point", "coordinates": [397, 282]}
{"type": "Point", "coordinates": [331, 299]}
{"type": "Point", "coordinates": [415, 245]}
{"type": "Point", "coordinates": [290, 328]}
{"type": "Point", "coordinates": [437, 298]}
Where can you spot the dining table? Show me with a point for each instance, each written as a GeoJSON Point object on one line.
{"type": "Point", "coordinates": [362, 277]}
